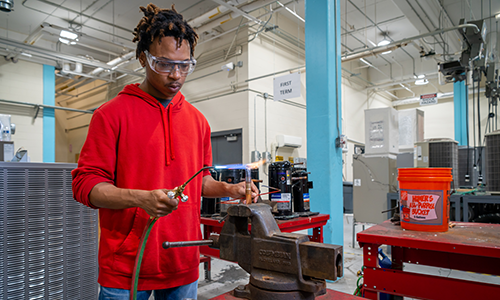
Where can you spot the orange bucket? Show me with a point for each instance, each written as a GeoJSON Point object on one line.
{"type": "Point", "coordinates": [424, 195]}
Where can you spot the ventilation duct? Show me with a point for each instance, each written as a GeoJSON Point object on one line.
{"type": "Point", "coordinates": [6, 5]}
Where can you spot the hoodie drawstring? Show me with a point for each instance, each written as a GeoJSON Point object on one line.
{"type": "Point", "coordinates": [172, 155]}
{"type": "Point", "coordinates": [169, 137]}
{"type": "Point", "coordinates": [167, 150]}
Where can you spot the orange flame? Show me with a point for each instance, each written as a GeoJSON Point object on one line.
{"type": "Point", "coordinates": [256, 164]}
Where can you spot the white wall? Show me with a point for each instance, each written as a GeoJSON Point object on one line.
{"type": "Point", "coordinates": [23, 82]}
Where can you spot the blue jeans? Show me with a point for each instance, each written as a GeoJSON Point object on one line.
{"type": "Point", "coordinates": [188, 291]}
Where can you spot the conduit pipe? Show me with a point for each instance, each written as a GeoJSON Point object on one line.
{"type": "Point", "coordinates": [113, 63]}
{"type": "Point", "coordinates": [250, 7]}
{"type": "Point", "coordinates": [214, 14]}
{"type": "Point", "coordinates": [417, 99]}
{"type": "Point", "coordinates": [46, 106]}
{"type": "Point", "coordinates": [401, 43]}
{"type": "Point", "coordinates": [79, 13]}
{"type": "Point", "coordinates": [208, 28]}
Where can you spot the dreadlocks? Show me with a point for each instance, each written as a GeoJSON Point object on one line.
{"type": "Point", "coordinates": [158, 22]}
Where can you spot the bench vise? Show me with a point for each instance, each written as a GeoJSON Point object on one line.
{"type": "Point", "coordinates": [281, 265]}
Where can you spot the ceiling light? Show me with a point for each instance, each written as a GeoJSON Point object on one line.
{"type": "Point", "coordinates": [383, 42]}
{"type": "Point", "coordinates": [497, 16]}
{"type": "Point", "coordinates": [386, 52]}
{"type": "Point", "coordinates": [228, 66]}
{"type": "Point", "coordinates": [421, 81]}
{"type": "Point", "coordinates": [26, 54]}
{"type": "Point", "coordinates": [6, 5]}
{"type": "Point", "coordinates": [64, 41]}
{"type": "Point", "coordinates": [421, 76]}
{"type": "Point", "coordinates": [68, 35]}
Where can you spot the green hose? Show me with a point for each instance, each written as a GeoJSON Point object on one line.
{"type": "Point", "coordinates": [138, 258]}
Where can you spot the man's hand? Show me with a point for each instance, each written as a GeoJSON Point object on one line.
{"type": "Point", "coordinates": [217, 189]}
{"type": "Point", "coordinates": [158, 204]}
{"type": "Point", "coordinates": [239, 191]}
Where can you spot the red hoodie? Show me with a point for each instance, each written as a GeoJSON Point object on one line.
{"type": "Point", "coordinates": [134, 142]}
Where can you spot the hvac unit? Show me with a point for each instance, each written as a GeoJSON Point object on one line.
{"type": "Point", "coordinates": [289, 141]}
{"type": "Point", "coordinates": [438, 153]}
{"type": "Point", "coordinates": [48, 244]}
{"type": "Point", "coordinates": [493, 161]}
{"type": "Point", "coordinates": [472, 162]}
{"type": "Point", "coordinates": [411, 128]}
{"type": "Point", "coordinates": [381, 131]}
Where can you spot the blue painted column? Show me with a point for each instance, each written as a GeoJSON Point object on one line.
{"type": "Point", "coordinates": [49, 120]}
{"type": "Point", "coordinates": [323, 81]}
{"type": "Point", "coordinates": [460, 99]}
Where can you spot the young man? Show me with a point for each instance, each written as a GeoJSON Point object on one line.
{"type": "Point", "coordinates": [140, 144]}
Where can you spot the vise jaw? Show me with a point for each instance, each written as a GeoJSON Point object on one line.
{"type": "Point", "coordinates": [281, 265]}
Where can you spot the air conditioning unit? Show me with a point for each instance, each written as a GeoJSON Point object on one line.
{"type": "Point", "coordinates": [289, 141]}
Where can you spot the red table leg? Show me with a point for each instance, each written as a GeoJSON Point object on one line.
{"type": "Point", "coordinates": [370, 260]}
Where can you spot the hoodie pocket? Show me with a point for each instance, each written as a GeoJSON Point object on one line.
{"type": "Point", "coordinates": [124, 255]}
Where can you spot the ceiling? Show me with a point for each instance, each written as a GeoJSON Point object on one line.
{"type": "Point", "coordinates": [105, 30]}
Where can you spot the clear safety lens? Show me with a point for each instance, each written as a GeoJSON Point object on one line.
{"type": "Point", "coordinates": [160, 65]}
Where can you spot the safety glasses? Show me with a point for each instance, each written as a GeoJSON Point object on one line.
{"type": "Point", "coordinates": [166, 66]}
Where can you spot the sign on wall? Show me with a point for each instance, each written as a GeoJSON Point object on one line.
{"type": "Point", "coordinates": [428, 99]}
{"type": "Point", "coordinates": [287, 87]}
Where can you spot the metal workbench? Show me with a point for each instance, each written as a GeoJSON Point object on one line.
{"type": "Point", "coordinates": [473, 247]}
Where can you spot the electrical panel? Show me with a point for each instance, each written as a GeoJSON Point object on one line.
{"type": "Point", "coordinates": [381, 131]}
{"type": "Point", "coordinates": [374, 178]}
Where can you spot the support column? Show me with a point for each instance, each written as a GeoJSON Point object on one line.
{"type": "Point", "coordinates": [460, 99]}
{"type": "Point", "coordinates": [323, 81]}
{"type": "Point", "coordinates": [49, 121]}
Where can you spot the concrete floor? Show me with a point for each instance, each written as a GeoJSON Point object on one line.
{"type": "Point", "coordinates": [226, 276]}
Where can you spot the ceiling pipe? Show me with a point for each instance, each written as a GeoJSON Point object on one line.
{"type": "Point", "coordinates": [412, 100]}
{"type": "Point", "coordinates": [371, 52]}
{"type": "Point", "coordinates": [237, 11]}
{"type": "Point", "coordinates": [235, 28]}
{"type": "Point", "coordinates": [113, 63]}
{"type": "Point", "coordinates": [80, 13]}
{"type": "Point", "coordinates": [403, 42]}
{"type": "Point", "coordinates": [46, 106]}
{"type": "Point", "coordinates": [213, 14]}
{"type": "Point", "coordinates": [207, 27]}
{"type": "Point", "coordinates": [44, 53]}
{"type": "Point", "coordinates": [407, 80]}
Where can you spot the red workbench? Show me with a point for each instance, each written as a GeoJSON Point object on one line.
{"type": "Point", "coordinates": [473, 247]}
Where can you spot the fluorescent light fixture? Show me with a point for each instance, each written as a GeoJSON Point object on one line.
{"type": "Point", "coordinates": [363, 60]}
{"type": "Point", "coordinates": [386, 52]}
{"type": "Point", "coordinates": [421, 81]}
{"type": "Point", "coordinates": [383, 42]}
{"type": "Point", "coordinates": [64, 41]}
{"type": "Point", "coordinates": [68, 35]}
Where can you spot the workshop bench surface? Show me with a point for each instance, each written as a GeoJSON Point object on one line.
{"type": "Point", "coordinates": [473, 247]}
